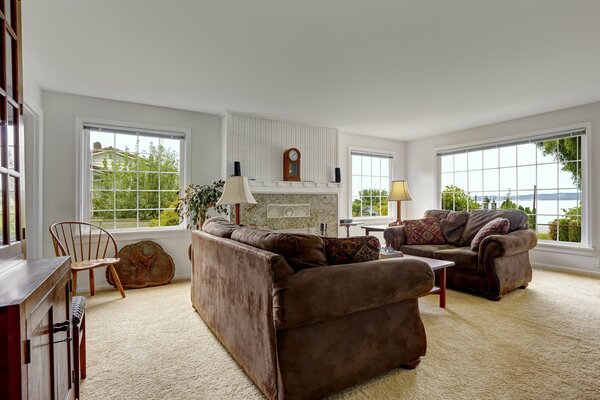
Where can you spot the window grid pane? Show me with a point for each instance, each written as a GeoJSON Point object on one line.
{"type": "Point", "coordinates": [134, 180]}
{"type": "Point", "coordinates": [542, 178]}
{"type": "Point", "coordinates": [370, 184]}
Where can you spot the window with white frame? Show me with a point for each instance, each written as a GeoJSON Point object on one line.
{"type": "Point", "coordinates": [132, 177]}
{"type": "Point", "coordinates": [543, 176]}
{"type": "Point", "coordinates": [371, 180]}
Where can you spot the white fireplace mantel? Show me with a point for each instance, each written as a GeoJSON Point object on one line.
{"type": "Point", "coordinates": [294, 187]}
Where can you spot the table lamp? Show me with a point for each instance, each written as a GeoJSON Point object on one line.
{"type": "Point", "coordinates": [399, 193]}
{"type": "Point", "coordinates": [236, 191]}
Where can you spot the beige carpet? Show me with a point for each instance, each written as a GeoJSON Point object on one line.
{"type": "Point", "coordinates": [538, 343]}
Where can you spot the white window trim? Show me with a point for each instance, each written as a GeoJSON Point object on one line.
{"type": "Point", "coordinates": [587, 211]}
{"type": "Point", "coordinates": [391, 210]}
{"type": "Point", "coordinates": [82, 171]}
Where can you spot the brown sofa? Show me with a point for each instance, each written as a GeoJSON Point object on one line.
{"type": "Point", "coordinates": [299, 327]}
{"type": "Point", "coordinates": [501, 264]}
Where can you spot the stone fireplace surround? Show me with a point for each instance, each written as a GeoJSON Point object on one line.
{"type": "Point", "coordinates": [293, 212]}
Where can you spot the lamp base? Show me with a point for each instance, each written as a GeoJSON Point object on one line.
{"type": "Point", "coordinates": [399, 212]}
{"type": "Point", "coordinates": [237, 214]}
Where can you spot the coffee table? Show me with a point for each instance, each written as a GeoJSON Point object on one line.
{"type": "Point", "coordinates": [436, 265]}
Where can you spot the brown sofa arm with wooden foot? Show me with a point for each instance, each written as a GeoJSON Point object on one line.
{"type": "Point", "coordinates": [505, 261]}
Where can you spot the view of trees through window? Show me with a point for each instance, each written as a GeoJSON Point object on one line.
{"type": "Point", "coordinates": [370, 184]}
{"type": "Point", "coordinates": [543, 179]}
{"type": "Point", "coordinates": [134, 180]}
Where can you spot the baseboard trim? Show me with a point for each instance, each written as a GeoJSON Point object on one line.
{"type": "Point", "coordinates": [106, 287]}
{"type": "Point", "coordinates": [568, 270]}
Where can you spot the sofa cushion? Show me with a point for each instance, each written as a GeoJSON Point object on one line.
{"type": "Point", "coordinates": [497, 226]}
{"type": "Point", "coordinates": [219, 226]}
{"type": "Point", "coordinates": [478, 218]}
{"type": "Point", "coordinates": [423, 231]}
{"type": "Point", "coordinates": [463, 257]}
{"type": "Point", "coordinates": [424, 250]}
{"type": "Point", "coordinates": [440, 215]}
{"type": "Point", "coordinates": [351, 250]}
{"type": "Point", "coordinates": [452, 223]}
{"type": "Point", "coordinates": [300, 251]}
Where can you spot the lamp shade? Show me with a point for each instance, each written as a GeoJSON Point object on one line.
{"type": "Point", "coordinates": [399, 191]}
{"type": "Point", "coordinates": [236, 191]}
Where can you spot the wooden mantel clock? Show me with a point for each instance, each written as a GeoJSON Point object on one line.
{"type": "Point", "coordinates": [291, 165]}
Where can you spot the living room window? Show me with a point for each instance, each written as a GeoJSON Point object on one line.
{"type": "Point", "coordinates": [370, 183]}
{"type": "Point", "coordinates": [543, 176]}
{"type": "Point", "coordinates": [132, 176]}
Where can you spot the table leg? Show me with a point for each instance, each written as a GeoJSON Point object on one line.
{"type": "Point", "coordinates": [347, 230]}
{"type": "Point", "coordinates": [443, 287]}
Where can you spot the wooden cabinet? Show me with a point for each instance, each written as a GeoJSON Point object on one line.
{"type": "Point", "coordinates": [35, 330]}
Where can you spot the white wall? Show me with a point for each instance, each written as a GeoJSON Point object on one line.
{"type": "Point", "coordinates": [60, 112]}
{"type": "Point", "coordinates": [31, 88]}
{"type": "Point", "coordinates": [422, 171]}
{"type": "Point", "coordinates": [259, 142]}
{"type": "Point", "coordinates": [349, 141]}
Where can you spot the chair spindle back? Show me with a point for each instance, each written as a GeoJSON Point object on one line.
{"type": "Point", "coordinates": [82, 241]}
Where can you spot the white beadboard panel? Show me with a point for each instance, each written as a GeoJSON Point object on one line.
{"type": "Point", "coordinates": [259, 142]}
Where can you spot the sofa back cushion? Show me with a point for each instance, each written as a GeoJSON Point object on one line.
{"type": "Point", "coordinates": [423, 231]}
{"type": "Point", "coordinates": [300, 251]}
{"type": "Point", "coordinates": [478, 218]}
{"type": "Point", "coordinates": [219, 226]}
{"type": "Point", "coordinates": [351, 250]}
{"type": "Point", "coordinates": [451, 222]}
{"type": "Point", "coordinates": [497, 226]}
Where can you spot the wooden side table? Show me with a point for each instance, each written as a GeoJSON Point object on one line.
{"type": "Point", "coordinates": [374, 228]}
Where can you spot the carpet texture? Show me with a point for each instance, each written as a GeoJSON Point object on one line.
{"type": "Point", "coordinates": [538, 343]}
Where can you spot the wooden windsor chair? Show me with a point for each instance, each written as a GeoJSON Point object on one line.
{"type": "Point", "coordinates": [87, 245]}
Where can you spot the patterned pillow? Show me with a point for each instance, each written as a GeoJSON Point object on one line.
{"type": "Point", "coordinates": [351, 250]}
{"type": "Point", "coordinates": [497, 226]}
{"type": "Point", "coordinates": [423, 231]}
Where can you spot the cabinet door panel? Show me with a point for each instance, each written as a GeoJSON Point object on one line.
{"type": "Point", "coordinates": [62, 342]}
{"type": "Point", "coordinates": [39, 371]}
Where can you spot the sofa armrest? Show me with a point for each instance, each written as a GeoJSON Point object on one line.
{"type": "Point", "coordinates": [395, 236]}
{"type": "Point", "coordinates": [516, 242]}
{"type": "Point", "coordinates": [324, 293]}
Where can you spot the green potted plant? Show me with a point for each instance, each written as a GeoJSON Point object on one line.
{"type": "Point", "coordinates": [195, 201]}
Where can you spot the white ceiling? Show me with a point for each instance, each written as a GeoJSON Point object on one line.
{"type": "Point", "coordinates": [398, 69]}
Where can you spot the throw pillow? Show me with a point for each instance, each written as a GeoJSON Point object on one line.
{"type": "Point", "coordinates": [497, 226]}
{"type": "Point", "coordinates": [300, 251]}
{"type": "Point", "coordinates": [351, 250]}
{"type": "Point", "coordinates": [423, 231]}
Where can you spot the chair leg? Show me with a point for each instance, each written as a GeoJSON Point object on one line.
{"type": "Point", "coordinates": [82, 362]}
{"type": "Point", "coordinates": [73, 282]}
{"type": "Point", "coordinates": [115, 276]}
{"type": "Point", "coordinates": [92, 291]}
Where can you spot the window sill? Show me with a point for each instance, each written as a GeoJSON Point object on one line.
{"type": "Point", "coordinates": [563, 248]}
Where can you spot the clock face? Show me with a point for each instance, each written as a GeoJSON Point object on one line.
{"type": "Point", "coordinates": [293, 155]}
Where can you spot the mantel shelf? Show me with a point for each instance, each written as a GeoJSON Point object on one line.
{"type": "Point", "coordinates": [294, 187]}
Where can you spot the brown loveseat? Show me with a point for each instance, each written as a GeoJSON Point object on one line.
{"type": "Point", "coordinates": [499, 266]}
{"type": "Point", "coordinates": [300, 328]}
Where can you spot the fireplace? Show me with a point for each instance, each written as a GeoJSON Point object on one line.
{"type": "Point", "coordinates": [293, 212]}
